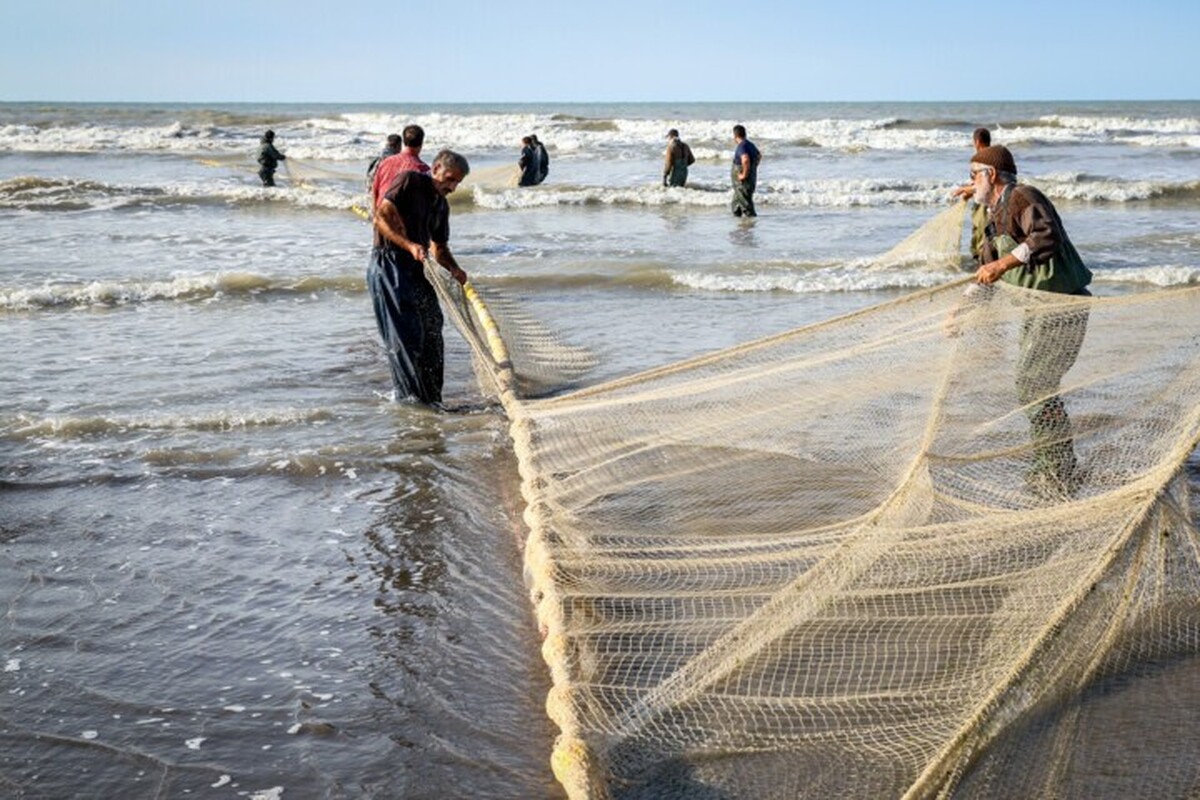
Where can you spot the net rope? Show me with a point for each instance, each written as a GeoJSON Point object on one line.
{"type": "Point", "coordinates": [940, 547]}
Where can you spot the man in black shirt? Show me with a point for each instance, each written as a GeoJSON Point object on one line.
{"type": "Point", "coordinates": [412, 222]}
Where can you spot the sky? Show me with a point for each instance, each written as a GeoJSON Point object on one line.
{"type": "Point", "coordinates": [458, 51]}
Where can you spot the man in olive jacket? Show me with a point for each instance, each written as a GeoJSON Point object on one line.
{"type": "Point", "coordinates": [1025, 244]}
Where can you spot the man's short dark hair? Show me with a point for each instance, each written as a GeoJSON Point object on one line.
{"type": "Point", "coordinates": [526, 140]}
{"type": "Point", "coordinates": [393, 140]}
{"type": "Point", "coordinates": [452, 160]}
{"type": "Point", "coordinates": [414, 136]}
{"type": "Point", "coordinates": [739, 131]}
{"type": "Point", "coordinates": [982, 136]}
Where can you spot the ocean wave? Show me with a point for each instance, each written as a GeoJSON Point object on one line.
{"type": "Point", "coordinates": [643, 277]}
{"type": "Point", "coordinates": [355, 137]}
{"type": "Point", "coordinates": [33, 193]}
{"type": "Point", "coordinates": [1103, 189]}
{"type": "Point", "coordinates": [813, 281]}
{"type": "Point", "coordinates": [27, 427]}
{"type": "Point", "coordinates": [779, 193]}
{"type": "Point", "coordinates": [1107, 125]}
{"type": "Point", "coordinates": [819, 193]}
{"type": "Point", "coordinates": [186, 288]}
{"type": "Point", "coordinates": [857, 276]}
{"type": "Point", "coordinates": [1161, 276]}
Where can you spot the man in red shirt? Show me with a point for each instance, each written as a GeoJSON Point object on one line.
{"type": "Point", "coordinates": [392, 167]}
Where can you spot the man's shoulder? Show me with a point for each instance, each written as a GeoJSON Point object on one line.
{"type": "Point", "coordinates": [413, 180]}
{"type": "Point", "coordinates": [1024, 195]}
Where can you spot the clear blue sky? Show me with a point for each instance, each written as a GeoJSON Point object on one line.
{"type": "Point", "coordinates": [568, 50]}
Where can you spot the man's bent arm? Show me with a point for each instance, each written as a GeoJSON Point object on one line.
{"type": "Point", "coordinates": [443, 256]}
{"type": "Point", "coordinates": [391, 226]}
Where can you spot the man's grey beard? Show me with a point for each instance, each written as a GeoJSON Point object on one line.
{"type": "Point", "coordinates": [983, 193]}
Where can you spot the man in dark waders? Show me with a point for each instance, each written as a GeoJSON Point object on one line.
{"type": "Point", "coordinates": [543, 158]}
{"type": "Point", "coordinates": [1025, 245]}
{"type": "Point", "coordinates": [268, 158]}
{"type": "Point", "coordinates": [411, 221]}
{"type": "Point", "coordinates": [529, 163]}
{"type": "Point", "coordinates": [744, 173]}
{"type": "Point", "coordinates": [676, 160]}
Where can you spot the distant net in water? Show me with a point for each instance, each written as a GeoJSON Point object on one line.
{"type": "Point", "coordinates": [938, 548]}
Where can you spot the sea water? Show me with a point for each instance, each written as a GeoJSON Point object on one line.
{"type": "Point", "coordinates": [231, 566]}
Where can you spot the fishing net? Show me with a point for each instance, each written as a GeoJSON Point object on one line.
{"type": "Point", "coordinates": [306, 172]}
{"type": "Point", "coordinates": [937, 548]}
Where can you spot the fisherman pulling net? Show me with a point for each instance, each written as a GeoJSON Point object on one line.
{"type": "Point", "coordinates": [815, 565]}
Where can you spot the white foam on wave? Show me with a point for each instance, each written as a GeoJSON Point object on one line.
{"type": "Point", "coordinates": [1162, 276]}
{"type": "Point", "coordinates": [856, 278]}
{"type": "Point", "coordinates": [357, 136]}
{"type": "Point", "coordinates": [1090, 188]}
{"type": "Point", "coordinates": [191, 288]}
{"type": "Point", "coordinates": [1189, 125]}
{"type": "Point", "coordinates": [67, 427]}
{"type": "Point", "coordinates": [780, 193]}
{"type": "Point", "coordinates": [826, 279]}
{"type": "Point", "coordinates": [43, 193]}
{"type": "Point", "coordinates": [595, 195]}
{"type": "Point", "coordinates": [110, 293]}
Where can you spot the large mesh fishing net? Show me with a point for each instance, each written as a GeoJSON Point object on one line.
{"type": "Point", "coordinates": [937, 548]}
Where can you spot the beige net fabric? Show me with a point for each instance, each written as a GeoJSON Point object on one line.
{"type": "Point", "coordinates": [938, 548]}
{"type": "Point", "coordinates": [934, 245]}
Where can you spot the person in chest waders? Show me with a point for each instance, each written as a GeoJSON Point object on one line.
{"type": "Point", "coordinates": [1025, 245]}
{"type": "Point", "coordinates": [543, 158]}
{"type": "Point", "coordinates": [411, 221]}
{"type": "Point", "coordinates": [676, 160]}
{"type": "Point", "coordinates": [744, 173]}
{"type": "Point", "coordinates": [268, 158]}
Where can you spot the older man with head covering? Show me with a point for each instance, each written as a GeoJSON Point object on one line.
{"type": "Point", "coordinates": [1026, 245]}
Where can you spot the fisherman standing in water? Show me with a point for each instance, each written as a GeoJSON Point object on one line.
{"type": "Point", "coordinates": [390, 148]}
{"type": "Point", "coordinates": [412, 221]}
{"type": "Point", "coordinates": [529, 163]}
{"type": "Point", "coordinates": [676, 160]}
{"type": "Point", "coordinates": [744, 173]}
{"type": "Point", "coordinates": [981, 138]}
{"type": "Point", "coordinates": [543, 158]}
{"type": "Point", "coordinates": [268, 158]}
{"type": "Point", "coordinates": [1025, 245]}
{"type": "Point", "coordinates": [406, 159]}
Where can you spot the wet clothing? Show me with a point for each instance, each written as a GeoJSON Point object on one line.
{"type": "Point", "coordinates": [530, 165]}
{"type": "Point", "coordinates": [743, 190]}
{"type": "Point", "coordinates": [1025, 223]}
{"type": "Point", "coordinates": [410, 324]}
{"type": "Point", "coordinates": [675, 167]}
{"type": "Point", "coordinates": [543, 161]}
{"type": "Point", "coordinates": [268, 161]}
{"type": "Point", "coordinates": [406, 306]}
{"type": "Point", "coordinates": [391, 168]}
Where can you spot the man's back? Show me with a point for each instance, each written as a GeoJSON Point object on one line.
{"type": "Point", "coordinates": [423, 210]}
{"type": "Point", "coordinates": [543, 160]}
{"type": "Point", "coordinates": [391, 168]}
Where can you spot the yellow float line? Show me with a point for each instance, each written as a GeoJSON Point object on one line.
{"type": "Point", "coordinates": [495, 341]}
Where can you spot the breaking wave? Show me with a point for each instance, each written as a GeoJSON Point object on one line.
{"type": "Point", "coordinates": [189, 288]}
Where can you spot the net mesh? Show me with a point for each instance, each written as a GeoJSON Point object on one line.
{"type": "Point", "coordinates": [938, 548]}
